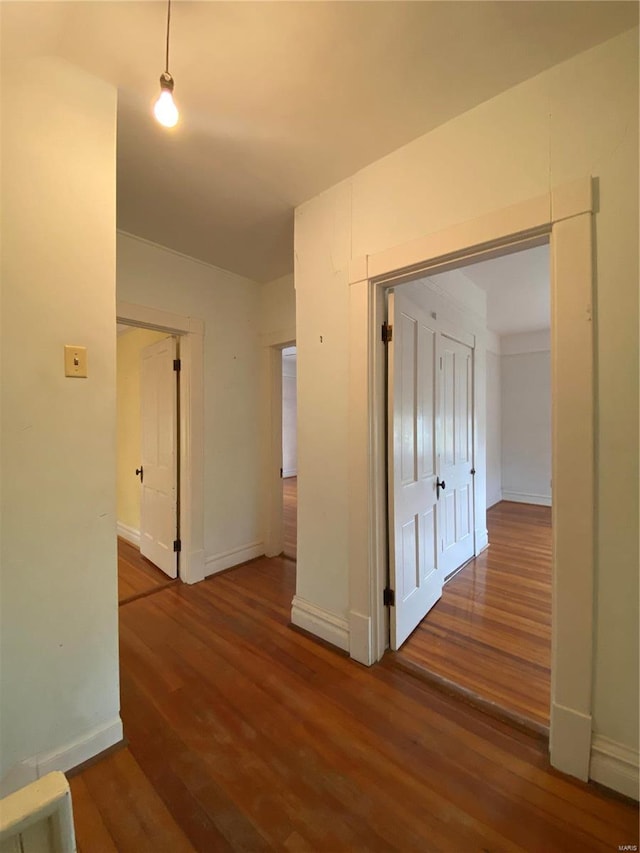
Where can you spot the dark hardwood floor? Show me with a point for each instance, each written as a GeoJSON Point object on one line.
{"type": "Point", "coordinates": [246, 735]}
{"type": "Point", "coordinates": [490, 633]}
{"type": "Point", "coordinates": [136, 575]}
{"type": "Point", "coordinates": [290, 517]}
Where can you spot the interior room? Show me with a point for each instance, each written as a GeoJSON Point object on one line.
{"type": "Point", "coordinates": [243, 176]}
{"type": "Point", "coordinates": [489, 634]}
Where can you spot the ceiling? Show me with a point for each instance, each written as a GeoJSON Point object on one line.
{"type": "Point", "coordinates": [518, 290]}
{"type": "Point", "coordinates": [280, 100]}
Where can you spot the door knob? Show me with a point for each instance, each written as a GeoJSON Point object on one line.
{"type": "Point", "coordinates": [440, 484]}
{"type": "Point", "coordinates": [140, 473]}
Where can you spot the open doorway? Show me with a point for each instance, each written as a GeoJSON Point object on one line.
{"type": "Point", "coordinates": [467, 342]}
{"type": "Point", "coordinates": [289, 451]}
{"type": "Point", "coordinates": [147, 460]}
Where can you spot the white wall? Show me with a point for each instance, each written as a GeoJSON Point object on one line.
{"type": "Point", "coordinates": [526, 418]}
{"type": "Point", "coordinates": [60, 702]}
{"type": "Point", "coordinates": [278, 309]}
{"type": "Point", "coordinates": [494, 421]}
{"type": "Point", "coordinates": [229, 306]}
{"type": "Point", "coordinates": [576, 119]}
{"type": "Point", "coordinates": [289, 417]}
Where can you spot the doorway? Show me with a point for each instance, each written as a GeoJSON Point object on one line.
{"type": "Point", "coordinates": [289, 451]}
{"type": "Point", "coordinates": [147, 460]}
{"type": "Point", "coordinates": [489, 632]}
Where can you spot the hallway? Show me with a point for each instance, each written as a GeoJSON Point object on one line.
{"type": "Point", "coordinates": [490, 633]}
{"type": "Point", "coordinates": [244, 734]}
{"type": "Point", "coordinates": [290, 516]}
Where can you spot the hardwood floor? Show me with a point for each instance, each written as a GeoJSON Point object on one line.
{"type": "Point", "coordinates": [490, 633]}
{"type": "Point", "coordinates": [290, 517]}
{"type": "Point", "coordinates": [136, 575]}
{"type": "Point", "coordinates": [245, 735]}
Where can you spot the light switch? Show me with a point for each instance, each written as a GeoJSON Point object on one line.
{"type": "Point", "coordinates": [75, 361]}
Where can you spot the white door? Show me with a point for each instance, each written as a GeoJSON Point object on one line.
{"type": "Point", "coordinates": [455, 451]}
{"type": "Point", "coordinates": [158, 508]}
{"type": "Point", "coordinates": [414, 576]}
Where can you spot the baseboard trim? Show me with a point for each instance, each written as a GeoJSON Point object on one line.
{"type": "Point", "coordinates": [615, 766]}
{"type": "Point", "coordinates": [482, 539]}
{"type": "Point", "coordinates": [129, 533]}
{"type": "Point", "coordinates": [525, 498]}
{"type": "Point", "coordinates": [66, 757]}
{"type": "Point", "coordinates": [360, 639]}
{"type": "Point", "coordinates": [233, 557]}
{"type": "Point", "coordinates": [289, 472]}
{"type": "Point", "coordinates": [494, 499]}
{"type": "Point", "coordinates": [570, 741]}
{"type": "Point", "coordinates": [320, 622]}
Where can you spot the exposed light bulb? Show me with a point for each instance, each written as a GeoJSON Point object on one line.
{"type": "Point", "coordinates": [164, 109]}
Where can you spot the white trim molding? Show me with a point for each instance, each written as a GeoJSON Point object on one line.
{"type": "Point", "coordinates": [191, 348]}
{"type": "Point", "coordinates": [482, 539]}
{"type": "Point", "coordinates": [320, 622]}
{"type": "Point", "coordinates": [526, 498]}
{"type": "Point", "coordinates": [63, 758]}
{"type": "Point", "coordinates": [615, 766]}
{"type": "Point", "coordinates": [129, 533]}
{"type": "Point", "coordinates": [570, 741]}
{"type": "Point", "coordinates": [233, 557]}
{"type": "Point", "coordinates": [562, 217]}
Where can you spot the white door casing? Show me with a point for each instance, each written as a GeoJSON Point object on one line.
{"type": "Point", "coordinates": [414, 575]}
{"type": "Point", "coordinates": [158, 456]}
{"type": "Point", "coordinates": [455, 454]}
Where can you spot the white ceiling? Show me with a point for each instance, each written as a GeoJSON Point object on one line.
{"type": "Point", "coordinates": [518, 291]}
{"type": "Point", "coordinates": [280, 100]}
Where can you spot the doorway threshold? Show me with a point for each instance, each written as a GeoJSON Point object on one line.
{"type": "Point", "coordinates": [470, 697]}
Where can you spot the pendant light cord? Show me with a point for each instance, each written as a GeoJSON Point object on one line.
{"type": "Point", "coordinates": [168, 29]}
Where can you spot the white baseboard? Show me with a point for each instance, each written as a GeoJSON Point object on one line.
{"type": "Point", "coordinates": [525, 498]}
{"type": "Point", "coordinates": [289, 472]}
{"type": "Point", "coordinates": [320, 622]}
{"type": "Point", "coordinates": [482, 539]}
{"type": "Point", "coordinates": [233, 557]}
{"type": "Point", "coordinates": [360, 639]}
{"type": "Point", "coordinates": [570, 741]}
{"type": "Point", "coordinates": [129, 533]}
{"type": "Point", "coordinates": [615, 766]}
{"type": "Point", "coordinates": [64, 757]}
{"type": "Point", "coordinates": [493, 499]}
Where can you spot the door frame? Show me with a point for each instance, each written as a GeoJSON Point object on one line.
{"type": "Point", "coordinates": [273, 512]}
{"type": "Point", "coordinates": [191, 566]}
{"type": "Point", "coordinates": [563, 217]}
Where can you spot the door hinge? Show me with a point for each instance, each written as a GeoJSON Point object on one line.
{"type": "Point", "coordinates": [177, 545]}
{"type": "Point", "coordinates": [177, 364]}
{"type": "Point", "coordinates": [389, 597]}
{"type": "Point", "coordinates": [387, 333]}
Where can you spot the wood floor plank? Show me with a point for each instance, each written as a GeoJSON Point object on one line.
{"type": "Point", "coordinates": [246, 735]}
{"type": "Point", "coordinates": [136, 575]}
{"type": "Point", "coordinates": [290, 516]}
{"type": "Point", "coordinates": [490, 632]}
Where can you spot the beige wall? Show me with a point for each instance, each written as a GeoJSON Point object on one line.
{"type": "Point", "coordinates": [579, 118]}
{"type": "Point", "coordinates": [278, 307]}
{"type": "Point", "coordinates": [229, 306]}
{"type": "Point", "coordinates": [59, 620]}
{"type": "Point", "coordinates": [128, 348]}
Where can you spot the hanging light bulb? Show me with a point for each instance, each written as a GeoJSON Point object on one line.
{"type": "Point", "coordinates": [164, 108]}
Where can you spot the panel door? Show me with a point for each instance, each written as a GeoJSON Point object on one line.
{"type": "Point", "coordinates": [415, 576]}
{"type": "Point", "coordinates": [158, 508]}
{"type": "Point", "coordinates": [455, 451]}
